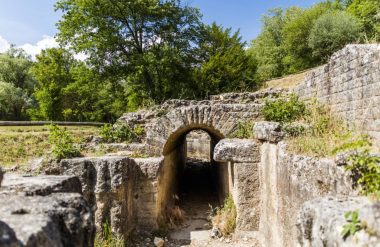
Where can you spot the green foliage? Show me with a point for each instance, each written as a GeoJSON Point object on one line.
{"type": "Point", "coordinates": [364, 166]}
{"type": "Point", "coordinates": [63, 145]}
{"type": "Point", "coordinates": [226, 67]}
{"type": "Point", "coordinates": [295, 39]}
{"type": "Point", "coordinates": [121, 133]}
{"type": "Point", "coordinates": [284, 110]}
{"type": "Point", "coordinates": [16, 84]}
{"type": "Point", "coordinates": [156, 49]}
{"type": "Point", "coordinates": [296, 32]}
{"type": "Point", "coordinates": [267, 49]}
{"type": "Point", "coordinates": [353, 226]}
{"type": "Point", "coordinates": [13, 102]}
{"type": "Point", "coordinates": [15, 69]}
{"type": "Point", "coordinates": [147, 43]}
{"type": "Point", "coordinates": [243, 130]}
{"type": "Point", "coordinates": [107, 239]}
{"type": "Point", "coordinates": [224, 218]}
{"type": "Point", "coordinates": [368, 12]}
{"type": "Point", "coordinates": [331, 32]}
{"type": "Point", "coordinates": [69, 90]}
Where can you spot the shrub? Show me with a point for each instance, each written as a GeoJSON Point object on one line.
{"type": "Point", "coordinates": [121, 133]}
{"type": "Point", "coordinates": [243, 130]}
{"type": "Point", "coordinates": [63, 145]}
{"type": "Point", "coordinates": [331, 32]}
{"type": "Point", "coordinates": [224, 218]}
{"type": "Point", "coordinates": [364, 166]}
{"type": "Point", "coordinates": [284, 110]}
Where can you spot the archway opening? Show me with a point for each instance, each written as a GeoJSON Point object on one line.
{"type": "Point", "coordinates": [191, 181]}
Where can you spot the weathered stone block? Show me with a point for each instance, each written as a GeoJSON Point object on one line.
{"type": "Point", "coordinates": [320, 222]}
{"type": "Point", "coordinates": [237, 151]}
{"type": "Point", "coordinates": [39, 185]}
{"type": "Point", "coordinates": [268, 131]}
{"type": "Point", "coordinates": [44, 221]}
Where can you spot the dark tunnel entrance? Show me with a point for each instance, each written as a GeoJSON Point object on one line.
{"type": "Point", "coordinates": [198, 184]}
{"type": "Point", "coordinates": [190, 182]}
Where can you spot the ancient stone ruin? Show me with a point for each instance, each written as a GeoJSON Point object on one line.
{"type": "Point", "coordinates": [283, 199]}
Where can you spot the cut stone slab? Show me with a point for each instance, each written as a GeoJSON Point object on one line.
{"type": "Point", "coordinates": [55, 220]}
{"type": "Point", "coordinates": [39, 185]}
{"type": "Point", "coordinates": [320, 222]}
{"type": "Point", "coordinates": [238, 151]}
{"type": "Point", "coordinates": [268, 131]}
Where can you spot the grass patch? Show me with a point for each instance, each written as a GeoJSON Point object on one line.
{"type": "Point", "coordinates": [224, 218]}
{"type": "Point", "coordinates": [22, 143]}
{"type": "Point", "coordinates": [107, 239]}
{"type": "Point", "coordinates": [323, 133]}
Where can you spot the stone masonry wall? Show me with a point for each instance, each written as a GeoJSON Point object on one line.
{"type": "Point", "coordinates": [350, 85]}
{"type": "Point", "coordinates": [287, 181]}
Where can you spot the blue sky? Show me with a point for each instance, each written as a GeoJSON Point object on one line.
{"type": "Point", "coordinates": [31, 23]}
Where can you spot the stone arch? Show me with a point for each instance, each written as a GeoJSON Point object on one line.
{"type": "Point", "coordinates": [217, 120]}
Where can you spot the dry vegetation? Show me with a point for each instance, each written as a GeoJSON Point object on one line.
{"type": "Point", "coordinates": [289, 81]}
{"type": "Point", "coordinates": [22, 143]}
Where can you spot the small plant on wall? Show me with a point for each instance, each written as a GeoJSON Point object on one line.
{"type": "Point", "coordinates": [224, 218]}
{"type": "Point", "coordinates": [243, 130]}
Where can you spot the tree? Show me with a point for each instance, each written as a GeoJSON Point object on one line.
{"type": "Point", "coordinates": [148, 44]}
{"type": "Point", "coordinates": [268, 48]}
{"type": "Point", "coordinates": [13, 102]}
{"type": "Point", "coordinates": [52, 71]}
{"type": "Point", "coordinates": [15, 67]}
{"type": "Point", "coordinates": [299, 54]}
{"type": "Point", "coordinates": [225, 66]}
{"type": "Point", "coordinates": [69, 90]}
{"type": "Point", "coordinates": [331, 32]}
{"type": "Point", "coordinates": [368, 12]}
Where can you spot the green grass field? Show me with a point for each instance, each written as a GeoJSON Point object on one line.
{"type": "Point", "coordinates": [18, 144]}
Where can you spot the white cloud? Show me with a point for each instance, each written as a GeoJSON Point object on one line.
{"type": "Point", "coordinates": [33, 50]}
{"type": "Point", "coordinates": [45, 43]}
{"type": "Point", "coordinates": [4, 45]}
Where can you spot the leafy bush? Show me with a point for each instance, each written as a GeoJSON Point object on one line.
{"type": "Point", "coordinates": [364, 166]}
{"type": "Point", "coordinates": [331, 32]}
{"type": "Point", "coordinates": [224, 218]}
{"type": "Point", "coordinates": [284, 110]}
{"type": "Point", "coordinates": [243, 130]}
{"type": "Point", "coordinates": [121, 133]}
{"type": "Point", "coordinates": [63, 145]}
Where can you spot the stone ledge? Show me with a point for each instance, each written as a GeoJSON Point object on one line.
{"type": "Point", "coordinates": [55, 220]}
{"type": "Point", "coordinates": [238, 151]}
{"type": "Point", "coordinates": [39, 185]}
{"type": "Point", "coordinates": [321, 220]}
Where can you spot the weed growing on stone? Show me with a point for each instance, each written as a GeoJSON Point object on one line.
{"type": "Point", "coordinates": [319, 134]}
{"type": "Point", "coordinates": [107, 239]}
{"type": "Point", "coordinates": [243, 130]}
{"type": "Point", "coordinates": [224, 218]}
{"type": "Point", "coordinates": [62, 142]}
{"type": "Point", "coordinates": [363, 165]}
{"type": "Point", "coordinates": [353, 226]}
